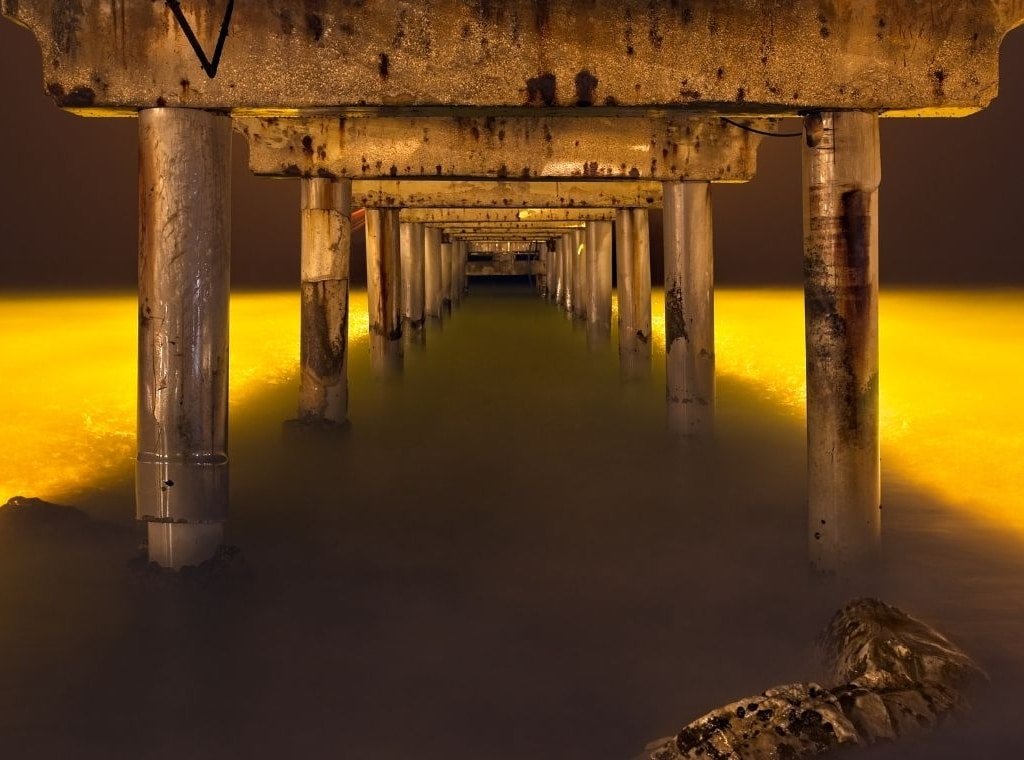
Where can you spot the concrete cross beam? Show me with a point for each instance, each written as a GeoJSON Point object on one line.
{"type": "Point", "coordinates": [664, 148]}
{"type": "Point", "coordinates": [904, 57]}
{"type": "Point", "coordinates": [506, 216]}
{"type": "Point", "coordinates": [502, 194]}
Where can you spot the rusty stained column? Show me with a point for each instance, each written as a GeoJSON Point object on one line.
{"type": "Point", "coordinates": [184, 271]}
{"type": "Point", "coordinates": [633, 260]}
{"type": "Point", "coordinates": [432, 273]}
{"type": "Point", "coordinates": [383, 283]}
{"type": "Point", "coordinates": [413, 288]}
{"type": "Point", "coordinates": [326, 238]}
{"type": "Point", "coordinates": [579, 237]}
{"type": "Point", "coordinates": [558, 270]}
{"type": "Point", "coordinates": [446, 275]}
{"type": "Point", "coordinates": [568, 273]}
{"type": "Point", "coordinates": [458, 255]}
{"type": "Point", "coordinates": [689, 308]}
{"type": "Point", "coordinates": [599, 306]}
{"type": "Point", "coordinates": [548, 257]}
{"type": "Point", "coordinates": [842, 173]}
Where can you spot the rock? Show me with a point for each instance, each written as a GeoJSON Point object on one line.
{"type": "Point", "coordinates": [896, 676]}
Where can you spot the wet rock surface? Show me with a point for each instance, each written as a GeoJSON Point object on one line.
{"type": "Point", "coordinates": [895, 676]}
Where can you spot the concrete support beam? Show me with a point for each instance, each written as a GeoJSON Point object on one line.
{"type": "Point", "coordinates": [184, 270]}
{"type": "Point", "coordinates": [727, 56]}
{"type": "Point", "coordinates": [433, 298]}
{"type": "Point", "coordinates": [689, 308]}
{"type": "Point", "coordinates": [323, 332]}
{"type": "Point", "coordinates": [842, 173]}
{"type": "Point", "coordinates": [504, 195]}
{"type": "Point", "coordinates": [383, 288]}
{"type": "Point", "coordinates": [633, 262]}
{"type": "Point", "coordinates": [446, 216]}
{"type": "Point", "coordinates": [413, 287]}
{"type": "Point", "coordinates": [504, 146]}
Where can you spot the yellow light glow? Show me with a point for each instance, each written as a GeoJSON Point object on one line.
{"type": "Point", "coordinates": [67, 401]}
{"type": "Point", "coordinates": [951, 364]}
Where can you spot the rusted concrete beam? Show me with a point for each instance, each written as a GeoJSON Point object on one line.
{"type": "Point", "coordinates": [181, 477]}
{"type": "Point", "coordinates": [502, 147]}
{"type": "Point", "coordinates": [499, 194]}
{"type": "Point", "coordinates": [842, 173]}
{"type": "Point", "coordinates": [485, 246]}
{"type": "Point", "coordinates": [326, 239]}
{"type": "Point", "coordinates": [505, 216]}
{"type": "Point", "coordinates": [728, 56]}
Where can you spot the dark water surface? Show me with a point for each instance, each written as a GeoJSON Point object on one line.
{"type": "Point", "coordinates": [505, 557]}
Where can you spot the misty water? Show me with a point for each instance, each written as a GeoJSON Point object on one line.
{"type": "Point", "coordinates": [506, 556]}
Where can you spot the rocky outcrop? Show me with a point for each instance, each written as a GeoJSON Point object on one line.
{"type": "Point", "coordinates": [893, 676]}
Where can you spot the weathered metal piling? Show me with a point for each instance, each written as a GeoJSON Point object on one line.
{"type": "Point", "coordinates": [842, 173]}
{"type": "Point", "coordinates": [184, 272]}
{"type": "Point", "coordinates": [689, 308]}
{"type": "Point", "coordinates": [413, 287]}
{"type": "Point", "coordinates": [323, 360]}
{"type": "Point", "coordinates": [433, 298]}
{"type": "Point", "coordinates": [383, 281]}
{"type": "Point", "coordinates": [633, 262]}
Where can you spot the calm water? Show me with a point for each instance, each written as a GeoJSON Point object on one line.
{"type": "Point", "coordinates": [506, 557]}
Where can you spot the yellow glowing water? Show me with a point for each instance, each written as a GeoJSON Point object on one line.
{"type": "Point", "coordinates": [952, 365]}
{"type": "Point", "coordinates": [951, 370]}
{"type": "Point", "coordinates": [67, 394]}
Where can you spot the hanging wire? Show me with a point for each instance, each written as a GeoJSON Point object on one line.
{"type": "Point", "coordinates": [756, 131]}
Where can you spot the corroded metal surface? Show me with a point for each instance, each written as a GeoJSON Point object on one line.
{"type": "Point", "coordinates": [323, 332]}
{"type": "Point", "coordinates": [504, 194]}
{"type": "Point", "coordinates": [184, 267]}
{"type": "Point", "coordinates": [689, 308]}
{"type": "Point", "coordinates": [383, 283]}
{"type": "Point", "coordinates": [842, 172]}
{"type": "Point", "coordinates": [633, 266]}
{"type": "Point", "coordinates": [413, 272]}
{"type": "Point", "coordinates": [432, 272]}
{"type": "Point", "coordinates": [737, 56]}
{"type": "Point", "coordinates": [893, 676]}
{"type": "Point", "coordinates": [502, 147]}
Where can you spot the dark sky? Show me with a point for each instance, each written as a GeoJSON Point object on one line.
{"type": "Point", "coordinates": [950, 201]}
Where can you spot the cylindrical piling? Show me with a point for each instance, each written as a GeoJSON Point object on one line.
{"type": "Point", "coordinates": [432, 272]}
{"type": "Point", "coordinates": [633, 258]}
{"type": "Point", "coordinates": [689, 308]}
{"type": "Point", "coordinates": [842, 173]}
{"type": "Point", "coordinates": [383, 282]}
{"type": "Point", "coordinates": [446, 275]}
{"type": "Point", "coordinates": [323, 333]}
{"type": "Point", "coordinates": [184, 272]}
{"type": "Point", "coordinates": [413, 290]}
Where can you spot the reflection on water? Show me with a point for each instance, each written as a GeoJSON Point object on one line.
{"type": "Point", "coordinates": [950, 360]}
{"type": "Point", "coordinates": [67, 400]}
{"type": "Point", "coordinates": [504, 557]}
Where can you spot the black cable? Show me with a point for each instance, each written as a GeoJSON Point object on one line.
{"type": "Point", "coordinates": [209, 66]}
{"type": "Point", "coordinates": [760, 131]}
